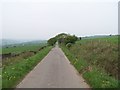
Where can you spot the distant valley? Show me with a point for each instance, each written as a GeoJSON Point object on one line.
{"type": "Point", "coordinates": [8, 42]}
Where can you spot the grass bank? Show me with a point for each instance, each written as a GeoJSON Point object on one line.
{"type": "Point", "coordinates": [97, 60]}
{"type": "Point", "coordinates": [13, 73]}
{"type": "Point", "coordinates": [0, 78]}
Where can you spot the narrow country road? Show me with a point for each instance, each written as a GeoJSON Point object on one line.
{"type": "Point", "coordinates": [54, 71]}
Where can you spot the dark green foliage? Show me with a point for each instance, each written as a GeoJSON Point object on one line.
{"type": "Point", "coordinates": [80, 38]}
{"type": "Point", "coordinates": [52, 41]}
{"type": "Point", "coordinates": [67, 39]}
{"type": "Point", "coordinates": [70, 39]}
{"type": "Point", "coordinates": [61, 35]}
{"type": "Point", "coordinates": [62, 38]}
{"type": "Point", "coordinates": [68, 45]}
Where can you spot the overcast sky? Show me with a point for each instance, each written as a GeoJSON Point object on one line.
{"type": "Point", "coordinates": [42, 19]}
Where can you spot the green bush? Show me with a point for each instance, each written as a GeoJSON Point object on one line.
{"type": "Point", "coordinates": [62, 38]}
{"type": "Point", "coordinates": [52, 41]}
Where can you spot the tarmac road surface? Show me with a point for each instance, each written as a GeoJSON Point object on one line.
{"type": "Point", "coordinates": [54, 71]}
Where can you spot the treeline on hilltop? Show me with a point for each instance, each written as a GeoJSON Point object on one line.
{"type": "Point", "coordinates": [63, 38]}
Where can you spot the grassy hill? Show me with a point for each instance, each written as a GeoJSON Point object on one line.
{"type": "Point", "coordinates": [96, 59]}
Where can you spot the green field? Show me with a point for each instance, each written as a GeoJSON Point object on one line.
{"type": "Point", "coordinates": [109, 39]}
{"type": "Point", "coordinates": [96, 59]}
{"type": "Point", "coordinates": [22, 48]}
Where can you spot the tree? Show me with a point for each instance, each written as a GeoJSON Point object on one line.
{"type": "Point", "coordinates": [52, 41]}
{"type": "Point", "coordinates": [63, 38]}
{"type": "Point", "coordinates": [70, 39]}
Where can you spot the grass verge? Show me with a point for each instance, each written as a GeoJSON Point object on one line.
{"type": "Point", "coordinates": [12, 74]}
{"type": "Point", "coordinates": [0, 78]}
{"type": "Point", "coordinates": [96, 77]}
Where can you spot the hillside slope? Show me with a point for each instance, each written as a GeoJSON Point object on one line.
{"type": "Point", "coordinates": [96, 59]}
